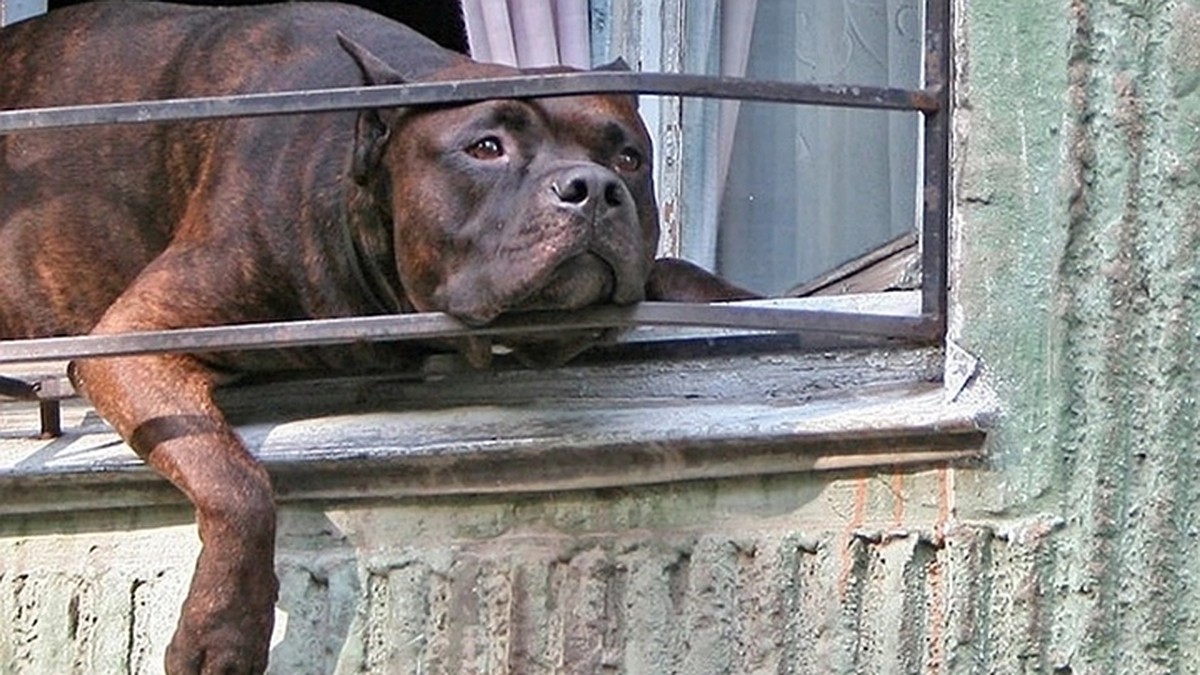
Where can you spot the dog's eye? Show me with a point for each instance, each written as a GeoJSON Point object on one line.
{"type": "Point", "coordinates": [487, 148]}
{"type": "Point", "coordinates": [628, 160]}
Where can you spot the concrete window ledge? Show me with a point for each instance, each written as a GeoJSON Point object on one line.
{"type": "Point", "coordinates": [449, 430]}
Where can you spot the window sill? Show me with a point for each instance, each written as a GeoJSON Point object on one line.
{"type": "Point", "coordinates": [448, 431]}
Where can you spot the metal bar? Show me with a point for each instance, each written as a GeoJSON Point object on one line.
{"type": "Point", "coordinates": [10, 387]}
{"type": "Point", "coordinates": [526, 86]}
{"type": "Point", "coordinates": [435, 325]}
{"type": "Point", "coordinates": [50, 416]}
{"type": "Point", "coordinates": [936, 208]}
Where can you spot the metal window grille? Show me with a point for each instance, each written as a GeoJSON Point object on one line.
{"type": "Point", "coordinates": [931, 101]}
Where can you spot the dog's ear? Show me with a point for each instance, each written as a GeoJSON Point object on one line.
{"type": "Point", "coordinates": [675, 280]}
{"type": "Point", "coordinates": [618, 64]}
{"type": "Point", "coordinates": [374, 127]}
{"type": "Point", "coordinates": [374, 70]}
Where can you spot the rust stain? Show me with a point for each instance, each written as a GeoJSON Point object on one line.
{"type": "Point", "coordinates": [936, 579]}
{"type": "Point", "coordinates": [929, 100]}
{"type": "Point", "coordinates": [945, 508]}
{"type": "Point", "coordinates": [897, 500]}
{"type": "Point", "coordinates": [937, 617]}
{"type": "Point", "coordinates": [857, 518]}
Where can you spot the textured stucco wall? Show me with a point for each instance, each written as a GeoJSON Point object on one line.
{"type": "Point", "coordinates": [1078, 203]}
{"type": "Point", "coordinates": [792, 574]}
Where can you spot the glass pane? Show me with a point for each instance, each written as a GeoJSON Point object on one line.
{"type": "Point", "coordinates": [12, 11]}
{"type": "Point", "coordinates": [810, 189]}
{"type": "Point", "coordinates": [798, 190]}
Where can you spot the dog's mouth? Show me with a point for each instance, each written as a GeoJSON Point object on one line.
{"type": "Point", "coordinates": [581, 281]}
{"type": "Point", "coordinates": [549, 352]}
{"type": "Point", "coordinates": [535, 350]}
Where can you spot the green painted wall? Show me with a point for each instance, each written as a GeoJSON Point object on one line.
{"type": "Point", "coordinates": [1078, 216]}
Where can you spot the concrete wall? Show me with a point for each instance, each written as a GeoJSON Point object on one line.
{"type": "Point", "coordinates": [1073, 549]}
{"type": "Point", "coordinates": [740, 576]}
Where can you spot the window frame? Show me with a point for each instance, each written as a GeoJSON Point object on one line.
{"type": "Point", "coordinates": [926, 327]}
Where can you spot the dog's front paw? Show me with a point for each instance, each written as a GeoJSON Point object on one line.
{"type": "Point", "coordinates": [225, 628]}
{"type": "Point", "coordinates": [219, 650]}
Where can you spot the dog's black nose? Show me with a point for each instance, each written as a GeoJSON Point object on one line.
{"type": "Point", "coordinates": [579, 186]}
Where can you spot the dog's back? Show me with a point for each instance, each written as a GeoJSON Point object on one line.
{"type": "Point", "coordinates": [83, 211]}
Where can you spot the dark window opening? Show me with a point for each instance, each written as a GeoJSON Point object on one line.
{"type": "Point", "coordinates": [439, 20]}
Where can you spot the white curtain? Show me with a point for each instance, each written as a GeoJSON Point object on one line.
{"type": "Point", "coordinates": [529, 33]}
{"type": "Point", "coordinates": [717, 40]}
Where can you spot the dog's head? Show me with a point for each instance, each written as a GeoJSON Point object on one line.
{"type": "Point", "coordinates": [513, 205]}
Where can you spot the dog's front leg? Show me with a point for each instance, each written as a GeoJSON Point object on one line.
{"type": "Point", "coordinates": [163, 407]}
{"type": "Point", "coordinates": [677, 280]}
